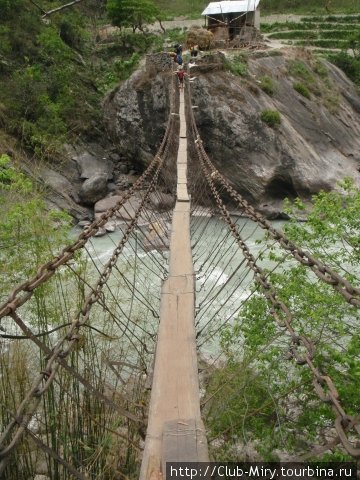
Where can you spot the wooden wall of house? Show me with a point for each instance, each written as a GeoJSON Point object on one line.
{"type": "Point", "coordinates": [226, 27]}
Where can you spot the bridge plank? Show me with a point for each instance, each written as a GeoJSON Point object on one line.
{"type": "Point", "coordinates": [175, 390]}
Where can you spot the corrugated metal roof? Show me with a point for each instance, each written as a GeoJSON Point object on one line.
{"type": "Point", "coordinates": [231, 6]}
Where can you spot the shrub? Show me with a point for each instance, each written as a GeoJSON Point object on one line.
{"type": "Point", "coordinates": [302, 89]}
{"type": "Point", "coordinates": [297, 68]}
{"type": "Point", "coordinates": [349, 65]}
{"type": "Point", "coordinates": [236, 65]}
{"type": "Point", "coordinates": [320, 69]}
{"type": "Point", "coordinates": [271, 117]}
{"type": "Point", "coordinates": [267, 85]}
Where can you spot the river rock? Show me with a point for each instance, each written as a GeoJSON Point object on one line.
{"type": "Point", "coordinates": [110, 227]}
{"type": "Point", "coordinates": [84, 223]}
{"type": "Point", "coordinates": [162, 201]}
{"type": "Point", "coordinates": [156, 237]}
{"type": "Point", "coordinates": [90, 166]}
{"type": "Point", "coordinates": [94, 188]}
{"type": "Point", "coordinates": [101, 232]}
{"type": "Point", "coordinates": [123, 168]}
{"type": "Point", "coordinates": [126, 212]}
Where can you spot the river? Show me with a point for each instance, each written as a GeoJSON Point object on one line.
{"type": "Point", "coordinates": [223, 281]}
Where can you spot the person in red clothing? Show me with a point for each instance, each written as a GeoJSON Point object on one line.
{"type": "Point", "coordinates": [181, 74]}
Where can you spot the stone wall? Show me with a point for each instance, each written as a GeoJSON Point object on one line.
{"type": "Point", "coordinates": [158, 62]}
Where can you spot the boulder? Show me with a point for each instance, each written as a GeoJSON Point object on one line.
{"type": "Point", "coordinates": [94, 188]}
{"type": "Point", "coordinates": [156, 237]}
{"type": "Point", "coordinates": [90, 165]}
{"type": "Point", "coordinates": [123, 168]}
{"type": "Point", "coordinates": [101, 232]}
{"type": "Point", "coordinates": [110, 227]}
{"type": "Point", "coordinates": [84, 223]}
{"type": "Point", "coordinates": [136, 114]}
{"type": "Point", "coordinates": [162, 201]}
{"type": "Point", "coordinates": [127, 211]}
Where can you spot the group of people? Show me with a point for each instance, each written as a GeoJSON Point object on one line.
{"type": "Point", "coordinates": [177, 56]}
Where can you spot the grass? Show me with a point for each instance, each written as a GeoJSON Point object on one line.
{"type": "Point", "coordinates": [302, 89]}
{"type": "Point", "coordinates": [335, 19]}
{"type": "Point", "coordinates": [236, 65]}
{"type": "Point", "coordinates": [325, 43]}
{"type": "Point", "coordinates": [271, 118]}
{"type": "Point", "coordinates": [294, 34]}
{"type": "Point", "coordinates": [298, 68]}
{"type": "Point", "coordinates": [268, 85]}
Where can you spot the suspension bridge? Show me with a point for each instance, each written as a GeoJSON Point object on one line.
{"type": "Point", "coordinates": [68, 393]}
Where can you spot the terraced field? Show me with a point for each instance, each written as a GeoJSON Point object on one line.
{"type": "Point", "coordinates": [325, 32]}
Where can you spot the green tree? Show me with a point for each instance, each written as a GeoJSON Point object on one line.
{"type": "Point", "coordinates": [132, 13]}
{"type": "Point", "coordinates": [9, 8]}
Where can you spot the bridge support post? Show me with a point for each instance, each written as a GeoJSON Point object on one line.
{"type": "Point", "coordinates": [175, 430]}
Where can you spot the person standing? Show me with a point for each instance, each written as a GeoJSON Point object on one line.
{"type": "Point", "coordinates": [181, 74]}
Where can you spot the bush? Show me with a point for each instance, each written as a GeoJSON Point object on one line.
{"type": "Point", "coordinates": [349, 65]}
{"type": "Point", "coordinates": [271, 117]}
{"type": "Point", "coordinates": [236, 65]}
{"type": "Point", "coordinates": [302, 89]}
{"type": "Point", "coordinates": [267, 85]}
{"type": "Point", "coordinates": [297, 68]}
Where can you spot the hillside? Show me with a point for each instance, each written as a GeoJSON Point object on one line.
{"type": "Point", "coordinates": [278, 125]}
{"type": "Point", "coordinates": [55, 72]}
{"type": "Point", "coordinates": [192, 8]}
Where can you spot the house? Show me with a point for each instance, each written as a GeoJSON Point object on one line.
{"type": "Point", "coordinates": [231, 19]}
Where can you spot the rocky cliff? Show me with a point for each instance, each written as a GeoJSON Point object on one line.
{"type": "Point", "coordinates": [316, 144]}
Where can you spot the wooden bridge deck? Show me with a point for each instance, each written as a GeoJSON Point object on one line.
{"type": "Point", "coordinates": [175, 430]}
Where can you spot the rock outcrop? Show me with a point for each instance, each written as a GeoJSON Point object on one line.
{"type": "Point", "coordinates": [136, 114]}
{"type": "Point", "coordinates": [316, 144]}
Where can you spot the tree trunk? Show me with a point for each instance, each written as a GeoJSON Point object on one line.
{"type": "Point", "coordinates": [58, 9]}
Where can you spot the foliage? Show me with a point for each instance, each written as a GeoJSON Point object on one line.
{"type": "Point", "coordinates": [297, 34]}
{"type": "Point", "coordinates": [322, 32]}
{"type": "Point", "coordinates": [45, 85]}
{"type": "Point", "coordinates": [29, 233]}
{"type": "Point", "coordinates": [9, 8]}
{"type": "Point", "coordinates": [268, 85]}
{"type": "Point", "coordinates": [302, 89]}
{"type": "Point", "coordinates": [271, 117]}
{"type": "Point", "coordinates": [334, 19]}
{"type": "Point", "coordinates": [310, 6]}
{"type": "Point", "coordinates": [354, 44]}
{"type": "Point", "coordinates": [278, 408]}
{"type": "Point", "coordinates": [236, 65]}
{"type": "Point", "coordinates": [132, 13]}
{"type": "Point", "coordinates": [350, 65]}
{"type": "Point", "coordinates": [121, 70]}
{"type": "Point", "coordinates": [298, 68]}
{"type": "Point", "coordinates": [312, 77]}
